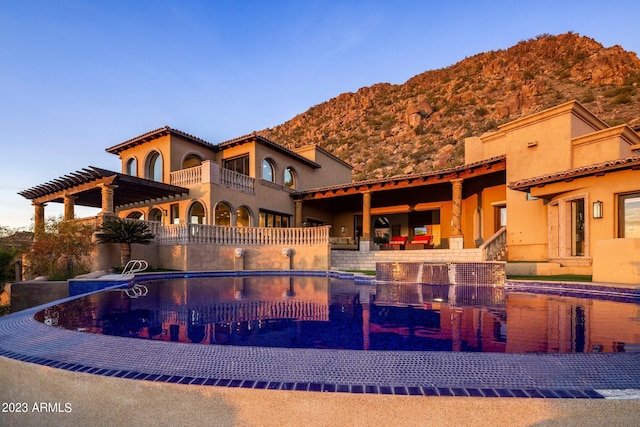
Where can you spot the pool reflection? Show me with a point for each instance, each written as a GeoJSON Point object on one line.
{"type": "Point", "coordinates": [317, 312]}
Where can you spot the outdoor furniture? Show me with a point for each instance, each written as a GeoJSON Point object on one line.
{"type": "Point", "coordinates": [397, 243]}
{"type": "Point", "coordinates": [423, 241]}
{"type": "Point", "coordinates": [348, 243]}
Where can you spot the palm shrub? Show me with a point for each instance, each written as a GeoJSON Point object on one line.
{"type": "Point", "coordinates": [125, 232]}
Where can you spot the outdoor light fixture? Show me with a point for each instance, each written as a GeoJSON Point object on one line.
{"type": "Point", "coordinates": [343, 229]}
{"type": "Point", "coordinates": [597, 209]}
{"type": "Point", "coordinates": [164, 212]}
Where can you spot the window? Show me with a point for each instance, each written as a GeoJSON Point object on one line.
{"type": "Point", "coordinates": [268, 170]}
{"type": "Point", "coordinates": [577, 227]}
{"type": "Point", "coordinates": [132, 167]}
{"type": "Point", "coordinates": [223, 214]}
{"type": "Point", "coordinates": [136, 215]}
{"type": "Point", "coordinates": [500, 213]}
{"type": "Point", "coordinates": [238, 164]}
{"type": "Point", "coordinates": [191, 161]}
{"type": "Point", "coordinates": [274, 219]}
{"type": "Point", "coordinates": [154, 167]}
{"type": "Point", "coordinates": [155, 215]}
{"type": "Point", "coordinates": [629, 214]}
{"type": "Point", "coordinates": [243, 217]}
{"type": "Point", "coordinates": [289, 178]}
{"type": "Point", "coordinates": [175, 213]}
{"type": "Point", "coordinates": [196, 213]}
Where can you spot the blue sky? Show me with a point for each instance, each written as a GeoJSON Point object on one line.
{"type": "Point", "coordinates": [79, 76]}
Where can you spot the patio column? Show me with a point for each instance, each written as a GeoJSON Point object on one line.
{"type": "Point", "coordinates": [456, 241]}
{"type": "Point", "coordinates": [69, 207]}
{"type": "Point", "coordinates": [38, 220]}
{"type": "Point", "coordinates": [298, 213]}
{"type": "Point", "coordinates": [107, 198]}
{"type": "Point", "coordinates": [365, 240]}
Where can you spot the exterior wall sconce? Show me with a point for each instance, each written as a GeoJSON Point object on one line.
{"type": "Point", "coordinates": [343, 229]}
{"type": "Point", "coordinates": [597, 209]}
{"type": "Point", "coordinates": [164, 212]}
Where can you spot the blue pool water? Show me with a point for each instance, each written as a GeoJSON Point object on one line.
{"type": "Point", "coordinates": [328, 312]}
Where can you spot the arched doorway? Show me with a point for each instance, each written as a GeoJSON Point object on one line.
{"type": "Point", "coordinates": [223, 214]}
{"type": "Point", "coordinates": [196, 214]}
{"type": "Point", "coordinates": [243, 217]}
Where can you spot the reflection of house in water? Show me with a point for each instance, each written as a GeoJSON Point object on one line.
{"type": "Point", "coordinates": [441, 317]}
{"type": "Point", "coordinates": [230, 310]}
{"type": "Point", "coordinates": [318, 312]}
{"type": "Point", "coordinates": [555, 324]}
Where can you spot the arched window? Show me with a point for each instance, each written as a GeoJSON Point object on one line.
{"type": "Point", "coordinates": [154, 167]}
{"type": "Point", "coordinates": [155, 215]}
{"type": "Point", "coordinates": [268, 170]}
{"type": "Point", "coordinates": [190, 161]}
{"type": "Point", "coordinates": [243, 217]}
{"type": "Point", "coordinates": [135, 215]}
{"type": "Point", "coordinates": [289, 178]}
{"type": "Point", "coordinates": [196, 213]}
{"type": "Point", "coordinates": [132, 167]}
{"type": "Point", "coordinates": [223, 214]}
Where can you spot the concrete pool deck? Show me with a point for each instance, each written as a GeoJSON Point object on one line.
{"type": "Point", "coordinates": [210, 385]}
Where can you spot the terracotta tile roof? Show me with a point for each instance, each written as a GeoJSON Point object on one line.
{"type": "Point", "coordinates": [441, 175]}
{"type": "Point", "coordinates": [166, 130]}
{"type": "Point", "coordinates": [156, 133]}
{"type": "Point", "coordinates": [254, 136]}
{"type": "Point", "coordinates": [571, 174]}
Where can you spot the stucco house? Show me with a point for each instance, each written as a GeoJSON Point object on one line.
{"type": "Point", "coordinates": [567, 182]}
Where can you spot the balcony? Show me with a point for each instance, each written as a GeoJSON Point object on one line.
{"type": "Point", "coordinates": [211, 172]}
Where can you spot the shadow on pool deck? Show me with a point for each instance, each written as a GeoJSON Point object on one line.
{"type": "Point", "coordinates": [104, 401]}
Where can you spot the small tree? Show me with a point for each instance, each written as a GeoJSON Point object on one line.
{"type": "Point", "coordinates": [62, 251]}
{"type": "Point", "coordinates": [125, 232]}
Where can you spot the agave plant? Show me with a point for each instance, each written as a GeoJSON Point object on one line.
{"type": "Point", "coordinates": [125, 232]}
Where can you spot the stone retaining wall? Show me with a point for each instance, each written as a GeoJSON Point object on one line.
{"type": "Point", "coordinates": [355, 260]}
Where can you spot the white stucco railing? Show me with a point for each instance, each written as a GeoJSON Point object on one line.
{"type": "Point", "coordinates": [236, 181]}
{"type": "Point", "coordinates": [180, 234]}
{"type": "Point", "coordinates": [212, 172]}
{"type": "Point", "coordinates": [187, 177]}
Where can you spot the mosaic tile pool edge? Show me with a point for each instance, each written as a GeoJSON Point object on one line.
{"type": "Point", "coordinates": [477, 390]}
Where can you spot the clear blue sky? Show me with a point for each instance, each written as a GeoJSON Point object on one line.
{"type": "Point", "coordinates": [79, 76]}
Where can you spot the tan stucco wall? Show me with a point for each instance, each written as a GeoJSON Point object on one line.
{"type": "Point", "coordinates": [617, 260]}
{"type": "Point", "coordinates": [218, 257]}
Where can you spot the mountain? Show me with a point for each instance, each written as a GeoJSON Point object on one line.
{"type": "Point", "coordinates": [385, 130]}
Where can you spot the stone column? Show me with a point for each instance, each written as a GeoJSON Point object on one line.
{"type": "Point", "coordinates": [456, 240]}
{"type": "Point", "coordinates": [107, 199]}
{"type": "Point", "coordinates": [365, 240]}
{"type": "Point", "coordinates": [298, 213]}
{"type": "Point", "coordinates": [39, 217]}
{"type": "Point", "coordinates": [69, 207]}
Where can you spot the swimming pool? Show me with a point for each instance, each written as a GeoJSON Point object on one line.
{"type": "Point", "coordinates": [576, 375]}
{"type": "Point", "coordinates": [336, 313]}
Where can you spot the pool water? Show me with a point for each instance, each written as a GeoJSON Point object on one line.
{"type": "Point", "coordinates": [322, 312]}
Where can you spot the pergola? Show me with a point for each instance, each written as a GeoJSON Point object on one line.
{"type": "Point", "coordinates": [98, 188]}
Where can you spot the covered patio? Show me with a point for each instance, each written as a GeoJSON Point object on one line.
{"type": "Point", "coordinates": [456, 208]}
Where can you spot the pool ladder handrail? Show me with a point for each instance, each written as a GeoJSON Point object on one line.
{"type": "Point", "coordinates": [135, 266]}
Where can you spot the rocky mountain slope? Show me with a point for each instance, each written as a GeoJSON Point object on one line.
{"type": "Point", "coordinates": [386, 129]}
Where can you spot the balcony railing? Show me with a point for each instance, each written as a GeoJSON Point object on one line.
{"type": "Point", "coordinates": [180, 234]}
{"type": "Point", "coordinates": [211, 172]}
{"type": "Point", "coordinates": [236, 181]}
{"type": "Point", "coordinates": [187, 177]}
